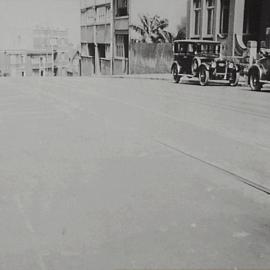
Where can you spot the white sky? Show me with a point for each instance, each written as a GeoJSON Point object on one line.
{"type": "Point", "coordinates": [19, 17]}
{"type": "Point", "coordinates": [173, 10]}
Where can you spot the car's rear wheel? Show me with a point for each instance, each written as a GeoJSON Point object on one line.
{"type": "Point", "coordinates": [234, 80]}
{"type": "Point", "coordinates": [203, 76]}
{"type": "Point", "coordinates": [176, 76]}
{"type": "Point", "coordinates": [254, 80]}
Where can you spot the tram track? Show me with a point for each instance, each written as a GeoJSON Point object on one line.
{"type": "Point", "coordinates": [236, 176]}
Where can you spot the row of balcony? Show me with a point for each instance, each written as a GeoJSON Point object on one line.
{"type": "Point", "coordinates": [90, 3]}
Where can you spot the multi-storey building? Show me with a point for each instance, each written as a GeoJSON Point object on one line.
{"type": "Point", "coordinates": [39, 63]}
{"type": "Point", "coordinates": [44, 36]}
{"type": "Point", "coordinates": [107, 38]}
{"type": "Point", "coordinates": [233, 22]}
{"type": "Point", "coordinates": [104, 36]}
{"type": "Point", "coordinates": [27, 63]}
{"type": "Point", "coordinates": [54, 40]}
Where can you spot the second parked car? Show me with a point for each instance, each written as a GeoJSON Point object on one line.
{"type": "Point", "coordinates": [200, 58]}
{"type": "Point", "coordinates": [259, 73]}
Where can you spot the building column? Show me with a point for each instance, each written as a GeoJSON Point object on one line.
{"type": "Point", "coordinates": [97, 63]}
{"type": "Point", "coordinates": [203, 19]}
{"type": "Point", "coordinates": [236, 24]}
{"type": "Point", "coordinates": [217, 19]}
{"type": "Point", "coordinates": [130, 9]}
{"type": "Point", "coordinates": [112, 36]}
{"type": "Point", "coordinates": [189, 22]}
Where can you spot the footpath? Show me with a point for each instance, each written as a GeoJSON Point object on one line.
{"type": "Point", "coordinates": [165, 77]}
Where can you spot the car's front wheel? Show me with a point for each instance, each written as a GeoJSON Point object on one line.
{"type": "Point", "coordinates": [254, 81]}
{"type": "Point", "coordinates": [234, 80]}
{"type": "Point", "coordinates": [176, 76]}
{"type": "Point", "coordinates": [203, 76]}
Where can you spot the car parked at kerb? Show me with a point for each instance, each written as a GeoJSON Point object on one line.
{"type": "Point", "coordinates": [259, 73]}
{"type": "Point", "coordinates": [201, 59]}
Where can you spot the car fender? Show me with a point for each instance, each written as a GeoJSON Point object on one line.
{"type": "Point", "coordinates": [235, 67]}
{"type": "Point", "coordinates": [204, 65]}
{"type": "Point", "coordinates": [199, 61]}
{"type": "Point", "coordinates": [257, 68]}
{"type": "Point", "coordinates": [178, 66]}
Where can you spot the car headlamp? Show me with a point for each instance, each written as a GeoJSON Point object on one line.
{"type": "Point", "coordinates": [214, 65]}
{"type": "Point", "coordinates": [231, 65]}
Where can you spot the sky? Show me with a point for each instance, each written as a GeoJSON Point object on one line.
{"type": "Point", "coordinates": [173, 10]}
{"type": "Point", "coordinates": [19, 17]}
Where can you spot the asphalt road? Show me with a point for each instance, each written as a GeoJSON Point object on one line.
{"type": "Point", "coordinates": [133, 174]}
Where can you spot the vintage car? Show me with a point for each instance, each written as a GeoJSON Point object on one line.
{"type": "Point", "coordinates": [259, 73]}
{"type": "Point", "coordinates": [200, 58]}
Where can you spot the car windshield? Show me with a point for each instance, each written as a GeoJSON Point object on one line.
{"type": "Point", "coordinates": [197, 48]}
{"type": "Point", "coordinates": [210, 48]}
{"type": "Point", "coordinates": [185, 48]}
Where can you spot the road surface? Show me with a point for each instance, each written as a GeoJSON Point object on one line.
{"type": "Point", "coordinates": [133, 174]}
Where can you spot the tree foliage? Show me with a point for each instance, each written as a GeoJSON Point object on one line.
{"type": "Point", "coordinates": [181, 30]}
{"type": "Point", "coordinates": [152, 29]}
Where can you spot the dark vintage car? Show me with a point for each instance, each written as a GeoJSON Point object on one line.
{"type": "Point", "coordinates": [259, 73]}
{"type": "Point", "coordinates": [200, 58]}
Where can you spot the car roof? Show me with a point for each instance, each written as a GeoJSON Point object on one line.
{"type": "Point", "coordinates": [197, 41]}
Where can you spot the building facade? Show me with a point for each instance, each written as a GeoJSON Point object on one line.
{"type": "Point", "coordinates": [232, 22]}
{"type": "Point", "coordinates": [107, 37]}
{"type": "Point", "coordinates": [44, 38]}
{"type": "Point", "coordinates": [35, 63]}
{"type": "Point", "coordinates": [104, 36]}
{"type": "Point", "coordinates": [21, 63]}
{"type": "Point", "coordinates": [51, 54]}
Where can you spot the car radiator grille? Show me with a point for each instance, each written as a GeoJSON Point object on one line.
{"type": "Point", "coordinates": [221, 69]}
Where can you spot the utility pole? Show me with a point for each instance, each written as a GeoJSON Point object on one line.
{"type": "Point", "coordinates": [112, 35]}
{"type": "Point", "coordinates": [52, 62]}
{"type": "Point", "coordinates": [53, 42]}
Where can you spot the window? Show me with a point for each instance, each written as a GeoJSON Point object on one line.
{"type": "Point", "coordinates": [224, 16]}
{"type": "Point", "coordinates": [251, 21]}
{"type": "Point", "coordinates": [122, 46]}
{"type": "Point", "coordinates": [121, 8]}
{"type": "Point", "coordinates": [83, 18]}
{"type": "Point", "coordinates": [91, 49]}
{"type": "Point", "coordinates": [101, 14]}
{"type": "Point", "coordinates": [84, 49]}
{"type": "Point", "coordinates": [22, 59]}
{"type": "Point", "coordinates": [104, 50]}
{"type": "Point", "coordinates": [90, 19]}
{"type": "Point", "coordinates": [108, 13]}
{"type": "Point", "coordinates": [13, 59]}
{"type": "Point", "coordinates": [35, 60]}
{"type": "Point", "coordinates": [176, 47]}
{"type": "Point", "coordinates": [210, 6]}
{"type": "Point", "coordinates": [197, 17]}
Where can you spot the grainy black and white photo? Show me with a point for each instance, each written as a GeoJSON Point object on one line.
{"type": "Point", "coordinates": [134, 135]}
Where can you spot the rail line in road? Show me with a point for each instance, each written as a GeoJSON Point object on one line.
{"type": "Point", "coordinates": [210, 164]}
{"type": "Point", "coordinates": [240, 178]}
{"type": "Point", "coordinates": [76, 106]}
